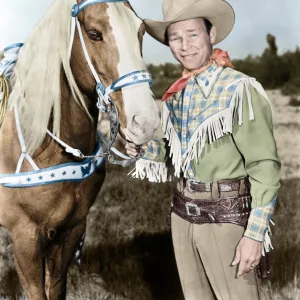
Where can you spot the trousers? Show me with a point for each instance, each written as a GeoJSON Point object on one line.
{"type": "Point", "coordinates": [204, 253]}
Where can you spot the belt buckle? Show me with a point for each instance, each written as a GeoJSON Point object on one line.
{"type": "Point", "coordinates": [189, 206]}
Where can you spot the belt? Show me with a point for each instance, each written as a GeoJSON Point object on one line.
{"type": "Point", "coordinates": [239, 185]}
{"type": "Point", "coordinates": [233, 210]}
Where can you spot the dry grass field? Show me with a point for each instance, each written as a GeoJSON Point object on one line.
{"type": "Point", "coordinates": [128, 252]}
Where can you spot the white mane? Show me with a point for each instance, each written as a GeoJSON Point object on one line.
{"type": "Point", "coordinates": [36, 81]}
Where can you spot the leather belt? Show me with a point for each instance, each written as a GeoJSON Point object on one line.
{"type": "Point", "coordinates": [235, 210]}
{"type": "Point", "coordinates": [223, 186]}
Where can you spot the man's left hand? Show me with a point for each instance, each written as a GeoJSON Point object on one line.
{"type": "Point", "coordinates": [247, 255]}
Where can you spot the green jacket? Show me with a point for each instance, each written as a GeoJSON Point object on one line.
{"type": "Point", "coordinates": [220, 127]}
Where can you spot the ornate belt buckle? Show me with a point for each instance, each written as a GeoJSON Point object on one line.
{"type": "Point", "coordinates": [189, 206]}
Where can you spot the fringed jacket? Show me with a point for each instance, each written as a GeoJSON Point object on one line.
{"type": "Point", "coordinates": [219, 127]}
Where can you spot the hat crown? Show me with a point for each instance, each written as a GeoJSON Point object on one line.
{"type": "Point", "coordinates": [172, 8]}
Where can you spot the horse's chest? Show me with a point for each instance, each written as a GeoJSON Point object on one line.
{"type": "Point", "coordinates": [57, 206]}
{"type": "Point", "coordinates": [75, 202]}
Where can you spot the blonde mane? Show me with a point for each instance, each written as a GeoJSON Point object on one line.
{"type": "Point", "coordinates": [36, 80]}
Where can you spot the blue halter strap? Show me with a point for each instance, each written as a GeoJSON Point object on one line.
{"type": "Point", "coordinates": [104, 101]}
{"type": "Point", "coordinates": [135, 77]}
{"type": "Point", "coordinates": [78, 8]}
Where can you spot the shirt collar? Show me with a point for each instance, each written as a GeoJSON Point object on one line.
{"type": "Point", "coordinates": [207, 79]}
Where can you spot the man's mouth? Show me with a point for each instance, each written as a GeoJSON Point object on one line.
{"type": "Point", "coordinates": [187, 57]}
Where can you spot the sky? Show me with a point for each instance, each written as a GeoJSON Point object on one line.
{"type": "Point", "coordinates": [254, 20]}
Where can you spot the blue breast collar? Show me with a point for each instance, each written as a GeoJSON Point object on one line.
{"type": "Point", "coordinates": [72, 172]}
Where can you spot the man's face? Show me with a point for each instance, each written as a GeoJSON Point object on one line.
{"type": "Point", "coordinates": [190, 43]}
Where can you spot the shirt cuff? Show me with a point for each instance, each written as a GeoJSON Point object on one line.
{"type": "Point", "coordinates": [153, 150]}
{"type": "Point", "coordinates": [258, 222]}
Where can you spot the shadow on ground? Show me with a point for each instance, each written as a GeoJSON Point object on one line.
{"type": "Point", "coordinates": [142, 267]}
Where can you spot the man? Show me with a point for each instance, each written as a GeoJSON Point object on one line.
{"type": "Point", "coordinates": [217, 124]}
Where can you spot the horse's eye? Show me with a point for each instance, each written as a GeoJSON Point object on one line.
{"type": "Point", "coordinates": [95, 35]}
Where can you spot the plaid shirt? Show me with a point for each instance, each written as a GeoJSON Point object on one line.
{"type": "Point", "coordinates": [191, 107]}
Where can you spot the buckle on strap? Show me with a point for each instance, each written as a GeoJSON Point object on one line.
{"type": "Point", "coordinates": [189, 206]}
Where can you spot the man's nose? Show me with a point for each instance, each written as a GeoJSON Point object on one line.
{"type": "Point", "coordinates": [185, 44]}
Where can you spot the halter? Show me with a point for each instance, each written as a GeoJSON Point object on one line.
{"type": "Point", "coordinates": [104, 100]}
{"type": "Point", "coordinates": [11, 54]}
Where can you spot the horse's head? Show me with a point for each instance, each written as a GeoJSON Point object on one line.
{"type": "Point", "coordinates": [112, 35]}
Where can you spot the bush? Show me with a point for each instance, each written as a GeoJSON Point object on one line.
{"type": "Point", "coordinates": [291, 87]}
{"type": "Point", "coordinates": [294, 101]}
{"type": "Point", "coordinates": [273, 71]}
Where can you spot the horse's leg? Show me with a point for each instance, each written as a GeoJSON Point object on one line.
{"type": "Point", "coordinates": [27, 245]}
{"type": "Point", "coordinates": [58, 257]}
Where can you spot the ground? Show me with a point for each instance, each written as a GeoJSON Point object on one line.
{"type": "Point", "coordinates": [128, 253]}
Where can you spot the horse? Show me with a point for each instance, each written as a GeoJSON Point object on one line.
{"type": "Point", "coordinates": [80, 57]}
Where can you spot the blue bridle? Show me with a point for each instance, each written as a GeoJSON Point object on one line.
{"type": "Point", "coordinates": [104, 101]}
{"type": "Point", "coordinates": [78, 8]}
{"type": "Point", "coordinates": [136, 77]}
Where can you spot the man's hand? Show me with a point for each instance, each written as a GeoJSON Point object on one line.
{"type": "Point", "coordinates": [134, 150]}
{"type": "Point", "coordinates": [247, 255]}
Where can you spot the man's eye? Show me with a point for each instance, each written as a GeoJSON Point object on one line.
{"type": "Point", "coordinates": [194, 35]}
{"type": "Point", "coordinates": [95, 35]}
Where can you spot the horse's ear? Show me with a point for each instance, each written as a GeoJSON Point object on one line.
{"type": "Point", "coordinates": [79, 1]}
{"type": "Point", "coordinates": [128, 5]}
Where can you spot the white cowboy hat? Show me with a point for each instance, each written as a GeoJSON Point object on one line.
{"type": "Point", "coordinates": [218, 12]}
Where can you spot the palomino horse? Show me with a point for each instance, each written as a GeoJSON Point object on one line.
{"type": "Point", "coordinates": [52, 112]}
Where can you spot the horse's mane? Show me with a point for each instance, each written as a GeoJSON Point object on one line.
{"type": "Point", "coordinates": [36, 80]}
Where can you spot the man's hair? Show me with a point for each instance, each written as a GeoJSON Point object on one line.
{"type": "Point", "coordinates": [207, 23]}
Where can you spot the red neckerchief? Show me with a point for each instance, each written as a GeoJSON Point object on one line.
{"type": "Point", "coordinates": [219, 56]}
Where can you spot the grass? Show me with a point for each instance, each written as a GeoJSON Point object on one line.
{"type": "Point", "coordinates": [128, 252]}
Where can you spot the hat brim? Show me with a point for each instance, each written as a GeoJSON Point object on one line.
{"type": "Point", "coordinates": [218, 12]}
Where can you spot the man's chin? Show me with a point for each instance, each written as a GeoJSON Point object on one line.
{"type": "Point", "coordinates": [190, 66]}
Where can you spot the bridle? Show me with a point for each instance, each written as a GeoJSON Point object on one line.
{"type": "Point", "coordinates": [105, 103]}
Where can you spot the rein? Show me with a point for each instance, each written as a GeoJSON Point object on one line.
{"type": "Point", "coordinates": [105, 103]}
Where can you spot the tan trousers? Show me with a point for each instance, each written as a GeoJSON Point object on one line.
{"type": "Point", "coordinates": [204, 254]}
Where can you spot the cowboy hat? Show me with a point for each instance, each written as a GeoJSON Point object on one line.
{"type": "Point", "coordinates": [218, 12]}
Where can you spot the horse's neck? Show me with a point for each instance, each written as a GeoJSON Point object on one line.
{"type": "Point", "coordinates": [77, 129]}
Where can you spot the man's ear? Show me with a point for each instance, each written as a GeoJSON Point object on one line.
{"type": "Point", "coordinates": [213, 34]}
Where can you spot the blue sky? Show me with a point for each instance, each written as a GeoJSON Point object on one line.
{"type": "Point", "coordinates": [254, 19]}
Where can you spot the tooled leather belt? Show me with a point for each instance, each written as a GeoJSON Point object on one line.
{"type": "Point", "coordinates": [235, 210]}
{"type": "Point", "coordinates": [226, 186]}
